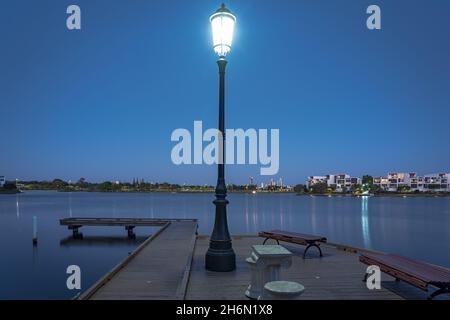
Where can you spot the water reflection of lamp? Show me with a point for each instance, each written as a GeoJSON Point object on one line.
{"type": "Point", "coordinates": [365, 221]}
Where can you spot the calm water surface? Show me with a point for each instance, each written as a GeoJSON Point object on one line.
{"type": "Point", "coordinates": [414, 227]}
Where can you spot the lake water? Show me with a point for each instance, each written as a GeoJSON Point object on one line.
{"type": "Point", "coordinates": [414, 227]}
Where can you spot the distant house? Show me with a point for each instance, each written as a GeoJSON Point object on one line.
{"type": "Point", "coordinates": [2, 181]}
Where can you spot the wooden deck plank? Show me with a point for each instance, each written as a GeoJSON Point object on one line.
{"type": "Point", "coordinates": [158, 271]}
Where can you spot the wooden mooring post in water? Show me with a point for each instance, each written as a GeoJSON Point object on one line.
{"type": "Point", "coordinates": [34, 231]}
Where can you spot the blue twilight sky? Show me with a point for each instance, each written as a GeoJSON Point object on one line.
{"type": "Point", "coordinates": [102, 102]}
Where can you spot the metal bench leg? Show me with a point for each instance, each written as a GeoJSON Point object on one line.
{"type": "Point", "coordinates": [312, 245]}
{"type": "Point", "coordinates": [278, 242]}
{"type": "Point", "coordinates": [439, 292]}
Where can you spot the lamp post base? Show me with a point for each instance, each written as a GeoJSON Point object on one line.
{"type": "Point", "coordinates": [220, 260]}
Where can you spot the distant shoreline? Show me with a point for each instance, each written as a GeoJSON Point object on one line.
{"type": "Point", "coordinates": [391, 195]}
{"type": "Point", "coordinates": [156, 191]}
{"type": "Point", "coordinates": [15, 191]}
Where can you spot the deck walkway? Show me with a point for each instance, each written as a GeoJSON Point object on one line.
{"type": "Point", "coordinates": [338, 275]}
{"type": "Point", "coordinates": [75, 224]}
{"type": "Point", "coordinates": [170, 265]}
{"type": "Point", "coordinates": [158, 269]}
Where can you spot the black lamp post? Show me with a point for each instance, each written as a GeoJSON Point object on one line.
{"type": "Point", "coordinates": [220, 256]}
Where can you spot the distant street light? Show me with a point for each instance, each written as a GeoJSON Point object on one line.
{"type": "Point", "coordinates": [220, 256]}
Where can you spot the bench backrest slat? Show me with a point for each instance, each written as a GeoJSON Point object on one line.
{"type": "Point", "coordinates": [417, 269]}
{"type": "Point", "coordinates": [291, 236]}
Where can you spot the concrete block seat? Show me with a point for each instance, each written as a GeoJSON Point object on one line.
{"type": "Point", "coordinates": [282, 290]}
{"type": "Point", "coordinates": [265, 264]}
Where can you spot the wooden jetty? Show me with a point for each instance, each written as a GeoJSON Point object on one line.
{"type": "Point", "coordinates": [158, 269]}
{"type": "Point", "coordinates": [170, 265]}
{"type": "Point", "coordinates": [75, 224]}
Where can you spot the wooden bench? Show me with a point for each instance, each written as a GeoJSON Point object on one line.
{"type": "Point", "coordinates": [307, 240]}
{"type": "Point", "coordinates": [416, 273]}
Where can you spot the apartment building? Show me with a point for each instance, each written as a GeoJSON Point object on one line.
{"type": "Point", "coordinates": [312, 180]}
{"type": "Point", "coordinates": [338, 182]}
{"type": "Point", "coordinates": [417, 183]}
{"type": "Point", "coordinates": [439, 182]}
{"type": "Point", "coordinates": [394, 180]}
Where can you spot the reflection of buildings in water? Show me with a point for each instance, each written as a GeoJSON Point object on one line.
{"type": "Point", "coordinates": [114, 208]}
{"type": "Point", "coordinates": [334, 222]}
{"type": "Point", "coordinates": [184, 207]}
{"type": "Point", "coordinates": [206, 210]}
{"type": "Point", "coordinates": [281, 213]}
{"type": "Point", "coordinates": [152, 212]}
{"type": "Point", "coordinates": [365, 221]}
{"type": "Point", "coordinates": [70, 204]}
{"type": "Point", "coordinates": [263, 224]}
{"type": "Point", "coordinates": [17, 207]}
{"type": "Point", "coordinates": [272, 218]}
{"type": "Point", "coordinates": [290, 211]}
{"type": "Point", "coordinates": [246, 215]}
{"type": "Point", "coordinates": [255, 214]}
{"type": "Point", "coordinates": [313, 214]}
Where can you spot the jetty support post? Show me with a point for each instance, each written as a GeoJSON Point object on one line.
{"type": "Point", "coordinates": [75, 233]}
{"type": "Point", "coordinates": [130, 231]}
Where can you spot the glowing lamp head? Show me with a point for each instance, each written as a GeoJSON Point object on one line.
{"type": "Point", "coordinates": [222, 23]}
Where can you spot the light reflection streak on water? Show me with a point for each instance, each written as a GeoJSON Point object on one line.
{"type": "Point", "coordinates": [17, 207]}
{"type": "Point", "coordinates": [365, 221]}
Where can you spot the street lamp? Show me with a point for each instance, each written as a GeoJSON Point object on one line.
{"type": "Point", "coordinates": [220, 256]}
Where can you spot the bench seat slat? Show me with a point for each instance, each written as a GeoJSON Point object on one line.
{"type": "Point", "coordinates": [292, 236]}
{"type": "Point", "coordinates": [419, 270]}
